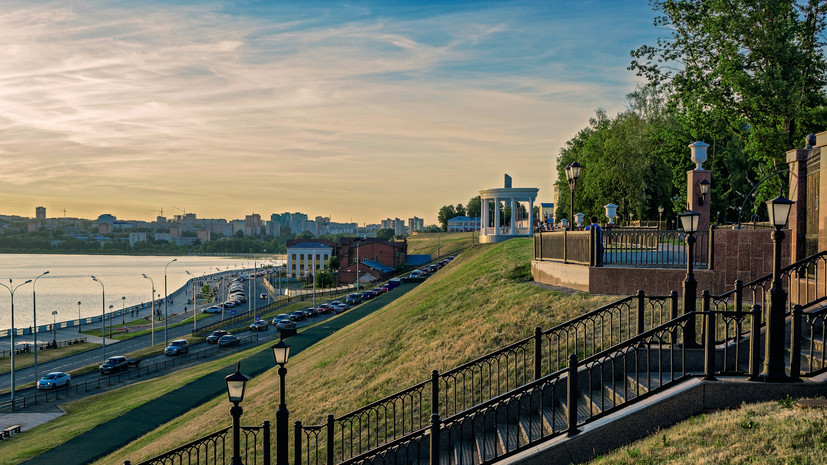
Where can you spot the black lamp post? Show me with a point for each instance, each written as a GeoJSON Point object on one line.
{"type": "Point", "coordinates": [660, 216]}
{"type": "Point", "coordinates": [281, 352]}
{"type": "Point", "coordinates": [704, 189]}
{"type": "Point", "coordinates": [689, 221]}
{"type": "Point", "coordinates": [774, 370]}
{"type": "Point", "coordinates": [236, 384]}
{"type": "Point", "coordinates": [572, 173]}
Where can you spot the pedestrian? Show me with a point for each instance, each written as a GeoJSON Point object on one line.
{"type": "Point", "coordinates": [594, 224]}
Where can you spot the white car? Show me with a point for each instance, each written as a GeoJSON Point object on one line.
{"type": "Point", "coordinates": [213, 309]}
{"type": "Point", "coordinates": [54, 380]}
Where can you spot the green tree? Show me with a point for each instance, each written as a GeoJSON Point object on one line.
{"type": "Point", "coordinates": [460, 210]}
{"type": "Point", "coordinates": [446, 213]}
{"type": "Point", "coordinates": [386, 233]}
{"type": "Point", "coordinates": [474, 207]}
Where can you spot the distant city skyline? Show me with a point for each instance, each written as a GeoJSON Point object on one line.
{"type": "Point", "coordinates": [358, 111]}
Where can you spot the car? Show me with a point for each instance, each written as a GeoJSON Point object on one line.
{"type": "Point", "coordinates": [213, 309]}
{"type": "Point", "coordinates": [259, 325]}
{"type": "Point", "coordinates": [415, 274]}
{"type": "Point", "coordinates": [324, 308]}
{"type": "Point", "coordinates": [230, 304]}
{"type": "Point", "coordinates": [335, 303]}
{"type": "Point", "coordinates": [353, 299]}
{"type": "Point", "coordinates": [118, 363]}
{"type": "Point", "coordinates": [216, 335]}
{"type": "Point", "coordinates": [178, 346]}
{"type": "Point", "coordinates": [340, 308]}
{"type": "Point", "coordinates": [367, 295]}
{"type": "Point", "coordinates": [241, 299]}
{"type": "Point", "coordinates": [286, 324]}
{"type": "Point", "coordinates": [377, 291]}
{"type": "Point", "coordinates": [298, 315]}
{"type": "Point", "coordinates": [228, 340]}
{"type": "Point", "coordinates": [433, 269]}
{"type": "Point", "coordinates": [311, 312]}
{"type": "Point", "coordinates": [54, 380]}
{"type": "Point", "coordinates": [386, 288]}
{"type": "Point", "coordinates": [279, 317]}
{"type": "Point", "coordinates": [262, 296]}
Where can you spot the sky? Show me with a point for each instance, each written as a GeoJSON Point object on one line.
{"type": "Point", "coordinates": [355, 110]}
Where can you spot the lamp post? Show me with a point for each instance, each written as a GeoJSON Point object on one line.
{"type": "Point", "coordinates": [11, 289]}
{"type": "Point", "coordinates": [689, 220]}
{"type": "Point", "coordinates": [281, 352]}
{"type": "Point", "coordinates": [236, 385]}
{"type": "Point", "coordinates": [774, 369]}
{"type": "Point", "coordinates": [110, 323]}
{"type": "Point", "coordinates": [123, 310]}
{"type": "Point", "coordinates": [151, 318]}
{"type": "Point", "coordinates": [34, 319]}
{"type": "Point", "coordinates": [195, 302]}
{"type": "Point", "coordinates": [572, 174]}
{"type": "Point", "coordinates": [703, 187]}
{"type": "Point", "coordinates": [103, 315]}
{"type": "Point", "coordinates": [78, 316]}
{"type": "Point", "coordinates": [357, 262]}
{"type": "Point", "coordinates": [54, 331]}
{"type": "Point", "coordinates": [166, 301]}
{"type": "Point", "coordinates": [660, 215]}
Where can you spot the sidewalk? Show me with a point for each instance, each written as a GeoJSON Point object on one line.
{"type": "Point", "coordinates": [117, 432]}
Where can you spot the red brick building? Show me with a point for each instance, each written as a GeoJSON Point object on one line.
{"type": "Point", "coordinates": [377, 257]}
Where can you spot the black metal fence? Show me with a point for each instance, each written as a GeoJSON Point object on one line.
{"type": "Point", "coordinates": [42, 397]}
{"type": "Point", "coordinates": [216, 449]}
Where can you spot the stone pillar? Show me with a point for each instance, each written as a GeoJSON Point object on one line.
{"type": "Point", "coordinates": [496, 216]}
{"type": "Point", "coordinates": [513, 216]}
{"type": "Point", "coordinates": [797, 159]}
{"type": "Point", "coordinates": [694, 198]}
{"type": "Point", "coordinates": [483, 216]}
{"type": "Point", "coordinates": [530, 216]}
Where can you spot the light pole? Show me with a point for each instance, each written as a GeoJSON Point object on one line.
{"type": "Point", "coordinates": [195, 302]}
{"type": "Point", "coordinates": [166, 300]}
{"type": "Point", "coordinates": [78, 316]}
{"type": "Point", "coordinates": [774, 369]}
{"type": "Point", "coordinates": [281, 352]}
{"type": "Point", "coordinates": [572, 174]}
{"type": "Point", "coordinates": [34, 319]}
{"type": "Point", "coordinates": [236, 385]}
{"type": "Point", "coordinates": [11, 289]}
{"type": "Point", "coordinates": [123, 310]}
{"type": "Point", "coordinates": [103, 315]}
{"type": "Point", "coordinates": [54, 332]}
{"type": "Point", "coordinates": [660, 216]}
{"type": "Point", "coordinates": [689, 220]}
{"type": "Point", "coordinates": [357, 262]}
{"type": "Point", "coordinates": [110, 323]}
{"type": "Point", "coordinates": [151, 318]}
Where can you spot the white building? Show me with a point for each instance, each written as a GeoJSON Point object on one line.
{"type": "Point", "coordinates": [463, 224]}
{"type": "Point", "coordinates": [307, 257]}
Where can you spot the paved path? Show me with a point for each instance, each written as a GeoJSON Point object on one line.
{"type": "Point", "coordinates": [117, 432]}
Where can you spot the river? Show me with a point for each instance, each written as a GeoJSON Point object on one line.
{"type": "Point", "coordinates": [69, 282]}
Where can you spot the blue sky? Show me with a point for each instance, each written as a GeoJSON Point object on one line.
{"type": "Point", "coordinates": [357, 110]}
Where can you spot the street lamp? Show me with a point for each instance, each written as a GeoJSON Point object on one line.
{"type": "Point", "coordinates": [166, 300]}
{"type": "Point", "coordinates": [123, 310]}
{"type": "Point", "coordinates": [151, 318]}
{"type": "Point", "coordinates": [78, 316]}
{"type": "Point", "coordinates": [703, 187]}
{"type": "Point", "coordinates": [110, 323]}
{"type": "Point", "coordinates": [572, 174]}
{"type": "Point", "coordinates": [281, 352]}
{"type": "Point", "coordinates": [660, 216]}
{"type": "Point", "coordinates": [689, 221]}
{"type": "Point", "coordinates": [195, 302]}
{"type": "Point", "coordinates": [236, 385]}
{"type": "Point", "coordinates": [11, 289]}
{"type": "Point", "coordinates": [357, 262]}
{"type": "Point", "coordinates": [54, 332]}
{"type": "Point", "coordinates": [774, 369]}
{"type": "Point", "coordinates": [103, 315]}
{"type": "Point", "coordinates": [34, 319]}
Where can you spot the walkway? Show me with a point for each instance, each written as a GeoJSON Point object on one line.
{"type": "Point", "coordinates": [117, 432]}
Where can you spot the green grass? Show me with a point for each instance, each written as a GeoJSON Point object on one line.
{"type": "Point", "coordinates": [44, 355]}
{"type": "Point", "coordinates": [765, 433]}
{"type": "Point", "coordinates": [442, 244]}
{"type": "Point", "coordinates": [479, 302]}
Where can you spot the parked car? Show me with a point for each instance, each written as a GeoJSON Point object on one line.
{"type": "Point", "coordinates": [286, 324]}
{"type": "Point", "coordinates": [367, 295]}
{"type": "Point", "coordinates": [279, 317]}
{"type": "Point", "coordinates": [213, 309]}
{"type": "Point", "coordinates": [353, 299]}
{"type": "Point", "coordinates": [298, 315]}
{"type": "Point", "coordinates": [228, 340]}
{"type": "Point", "coordinates": [337, 309]}
{"type": "Point", "coordinates": [311, 312]}
{"type": "Point", "coordinates": [178, 346]}
{"type": "Point", "coordinates": [54, 380]}
{"type": "Point", "coordinates": [230, 304]}
{"type": "Point", "coordinates": [216, 335]}
{"type": "Point", "coordinates": [259, 325]}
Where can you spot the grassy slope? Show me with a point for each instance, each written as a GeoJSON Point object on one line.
{"type": "Point", "coordinates": [478, 303]}
{"type": "Point", "coordinates": [766, 433]}
{"type": "Point", "coordinates": [447, 244]}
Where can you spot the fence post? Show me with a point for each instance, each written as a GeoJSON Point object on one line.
{"type": "Point", "coordinates": [641, 310]}
{"type": "Point", "coordinates": [565, 246]}
{"type": "Point", "coordinates": [591, 247]}
{"type": "Point", "coordinates": [795, 343]}
{"type": "Point", "coordinates": [709, 339]}
{"type": "Point", "coordinates": [435, 422]}
{"type": "Point", "coordinates": [571, 395]}
{"type": "Point", "coordinates": [331, 429]}
{"type": "Point", "coordinates": [538, 352]}
{"type": "Point", "coordinates": [754, 342]}
{"type": "Point", "coordinates": [435, 392]}
{"type": "Point", "coordinates": [297, 443]}
{"type": "Point", "coordinates": [266, 441]}
{"type": "Point", "coordinates": [739, 295]}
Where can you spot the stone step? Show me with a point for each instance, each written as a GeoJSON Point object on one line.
{"type": "Point", "coordinates": [487, 446]}
{"type": "Point", "coordinates": [509, 436]}
{"type": "Point", "coordinates": [465, 453]}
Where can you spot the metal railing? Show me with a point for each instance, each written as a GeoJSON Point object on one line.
{"type": "Point", "coordinates": [44, 346]}
{"type": "Point", "coordinates": [216, 449]}
{"type": "Point", "coordinates": [41, 397]}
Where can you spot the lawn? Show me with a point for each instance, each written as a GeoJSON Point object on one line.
{"type": "Point", "coordinates": [440, 244]}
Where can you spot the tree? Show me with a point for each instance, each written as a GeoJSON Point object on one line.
{"type": "Point", "coordinates": [446, 213]}
{"type": "Point", "coordinates": [460, 210]}
{"type": "Point", "coordinates": [756, 65]}
{"type": "Point", "coordinates": [385, 233]}
{"type": "Point", "coordinates": [474, 207]}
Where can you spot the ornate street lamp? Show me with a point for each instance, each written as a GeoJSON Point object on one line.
{"type": "Point", "coordinates": [660, 216]}
{"type": "Point", "coordinates": [690, 221]}
{"type": "Point", "coordinates": [54, 331]}
{"type": "Point", "coordinates": [572, 174]}
{"type": "Point", "coordinates": [11, 289]}
{"type": "Point", "coordinates": [34, 319]}
{"type": "Point", "coordinates": [281, 352]}
{"type": "Point", "coordinates": [703, 187]}
{"type": "Point", "coordinates": [103, 315]}
{"type": "Point", "coordinates": [774, 369]}
{"type": "Point", "coordinates": [236, 385]}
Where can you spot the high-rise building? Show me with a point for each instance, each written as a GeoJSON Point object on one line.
{"type": "Point", "coordinates": [40, 213]}
{"type": "Point", "coordinates": [416, 224]}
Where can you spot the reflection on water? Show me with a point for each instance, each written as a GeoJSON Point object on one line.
{"type": "Point", "coordinates": [69, 282]}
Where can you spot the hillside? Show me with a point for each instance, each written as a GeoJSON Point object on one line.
{"type": "Point", "coordinates": [481, 301]}
{"type": "Point", "coordinates": [440, 244]}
